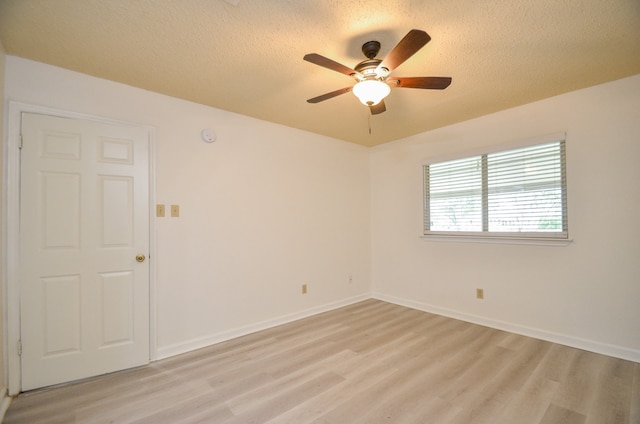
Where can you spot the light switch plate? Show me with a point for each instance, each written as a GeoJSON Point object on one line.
{"type": "Point", "coordinates": [159, 210]}
{"type": "Point", "coordinates": [175, 211]}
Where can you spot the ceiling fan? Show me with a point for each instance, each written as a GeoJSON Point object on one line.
{"type": "Point", "coordinates": [372, 75]}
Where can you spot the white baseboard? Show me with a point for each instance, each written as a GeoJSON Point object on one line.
{"type": "Point", "coordinates": [579, 343]}
{"type": "Point", "coordinates": [563, 339]}
{"type": "Point", "coordinates": [5, 401]}
{"type": "Point", "coordinates": [189, 345]}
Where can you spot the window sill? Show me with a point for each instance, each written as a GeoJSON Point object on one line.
{"type": "Point", "coordinates": [535, 241]}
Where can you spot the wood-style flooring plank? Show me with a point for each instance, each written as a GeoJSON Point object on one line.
{"type": "Point", "coordinates": [634, 413]}
{"type": "Point", "coordinates": [367, 363]}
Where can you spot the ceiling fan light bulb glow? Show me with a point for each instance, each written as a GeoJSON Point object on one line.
{"type": "Point", "coordinates": [371, 92]}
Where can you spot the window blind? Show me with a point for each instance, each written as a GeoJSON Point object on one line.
{"type": "Point", "coordinates": [519, 192]}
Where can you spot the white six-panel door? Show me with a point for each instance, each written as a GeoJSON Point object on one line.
{"type": "Point", "coordinates": [84, 217]}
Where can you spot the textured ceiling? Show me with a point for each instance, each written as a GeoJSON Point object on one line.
{"type": "Point", "coordinates": [246, 56]}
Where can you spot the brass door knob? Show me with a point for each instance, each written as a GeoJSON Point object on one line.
{"type": "Point", "coordinates": [140, 258]}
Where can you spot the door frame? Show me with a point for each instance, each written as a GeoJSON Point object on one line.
{"type": "Point", "coordinates": [11, 234]}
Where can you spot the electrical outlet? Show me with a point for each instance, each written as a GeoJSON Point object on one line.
{"type": "Point", "coordinates": [304, 289]}
{"type": "Point", "coordinates": [479, 293]}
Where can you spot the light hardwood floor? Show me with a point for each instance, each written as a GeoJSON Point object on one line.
{"type": "Point", "coordinates": [372, 362]}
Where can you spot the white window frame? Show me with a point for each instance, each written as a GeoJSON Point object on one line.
{"type": "Point", "coordinates": [545, 237]}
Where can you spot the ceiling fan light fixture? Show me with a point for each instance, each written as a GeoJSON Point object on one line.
{"type": "Point", "coordinates": [371, 92]}
{"type": "Point", "coordinates": [371, 75]}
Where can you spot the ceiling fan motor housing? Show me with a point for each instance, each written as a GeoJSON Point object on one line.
{"type": "Point", "coordinates": [369, 69]}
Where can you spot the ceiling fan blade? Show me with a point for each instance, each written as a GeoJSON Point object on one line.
{"type": "Point", "coordinates": [328, 96]}
{"type": "Point", "coordinates": [379, 108]}
{"type": "Point", "coordinates": [433, 83]}
{"type": "Point", "coordinates": [329, 64]}
{"type": "Point", "coordinates": [407, 47]}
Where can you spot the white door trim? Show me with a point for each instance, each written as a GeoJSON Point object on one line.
{"type": "Point", "coordinates": [11, 236]}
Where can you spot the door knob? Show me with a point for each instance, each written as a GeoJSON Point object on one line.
{"type": "Point", "coordinates": [140, 258]}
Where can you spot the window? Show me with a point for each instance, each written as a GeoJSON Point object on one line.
{"type": "Point", "coordinates": [514, 193]}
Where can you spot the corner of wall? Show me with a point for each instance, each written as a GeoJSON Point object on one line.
{"type": "Point", "coordinates": [4, 400]}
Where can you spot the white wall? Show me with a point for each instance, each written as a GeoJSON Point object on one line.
{"type": "Point", "coordinates": [586, 294]}
{"type": "Point", "coordinates": [3, 404]}
{"type": "Point", "coordinates": [264, 209]}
